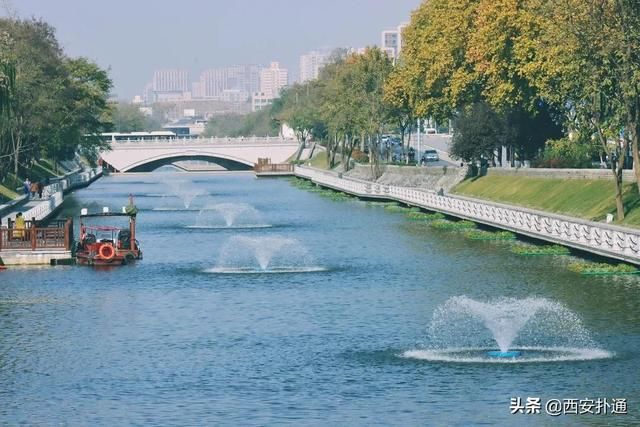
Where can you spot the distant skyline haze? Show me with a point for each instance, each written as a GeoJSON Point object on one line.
{"type": "Point", "coordinates": [134, 38]}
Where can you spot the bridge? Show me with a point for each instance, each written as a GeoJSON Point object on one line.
{"type": "Point", "coordinates": [229, 153]}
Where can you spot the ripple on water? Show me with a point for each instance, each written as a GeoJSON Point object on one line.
{"type": "Point", "coordinates": [528, 355]}
{"type": "Point", "coordinates": [278, 270]}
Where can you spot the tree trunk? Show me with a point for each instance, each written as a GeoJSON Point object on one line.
{"type": "Point", "coordinates": [617, 171]}
{"type": "Point", "coordinates": [633, 133]}
{"type": "Point", "coordinates": [617, 165]}
{"type": "Point", "coordinates": [303, 139]}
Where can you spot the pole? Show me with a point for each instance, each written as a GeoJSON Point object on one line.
{"type": "Point", "coordinates": [419, 153]}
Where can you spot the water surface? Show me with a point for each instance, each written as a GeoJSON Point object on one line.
{"type": "Point", "coordinates": [170, 341]}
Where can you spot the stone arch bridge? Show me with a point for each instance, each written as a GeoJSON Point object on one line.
{"type": "Point", "coordinates": [229, 153]}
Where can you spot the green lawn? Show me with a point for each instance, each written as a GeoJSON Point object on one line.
{"type": "Point", "coordinates": [319, 160]}
{"type": "Point", "coordinates": [589, 199]}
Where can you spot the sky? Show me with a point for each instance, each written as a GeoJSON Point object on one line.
{"type": "Point", "coordinates": [134, 37]}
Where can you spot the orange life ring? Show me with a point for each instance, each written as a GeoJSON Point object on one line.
{"type": "Point", "coordinates": [107, 252]}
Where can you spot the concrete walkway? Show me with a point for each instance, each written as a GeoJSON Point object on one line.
{"type": "Point", "coordinates": [23, 207]}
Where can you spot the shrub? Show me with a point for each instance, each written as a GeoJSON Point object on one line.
{"type": "Point", "coordinates": [565, 153]}
{"type": "Point", "coordinates": [487, 235]}
{"type": "Point", "coordinates": [540, 250]}
{"type": "Point", "coordinates": [443, 224]}
{"type": "Point", "coordinates": [592, 268]}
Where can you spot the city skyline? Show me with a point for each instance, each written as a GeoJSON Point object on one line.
{"type": "Point", "coordinates": [201, 36]}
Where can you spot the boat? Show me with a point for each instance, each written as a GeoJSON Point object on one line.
{"type": "Point", "coordinates": [105, 245]}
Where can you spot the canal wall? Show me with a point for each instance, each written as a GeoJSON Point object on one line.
{"type": "Point", "coordinates": [430, 178]}
{"type": "Point", "coordinates": [597, 238]}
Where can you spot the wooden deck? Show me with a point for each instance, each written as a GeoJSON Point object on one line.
{"type": "Point", "coordinates": [34, 244]}
{"type": "Point", "coordinates": [274, 169]}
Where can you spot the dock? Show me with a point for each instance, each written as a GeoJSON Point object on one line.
{"type": "Point", "coordinates": [273, 169]}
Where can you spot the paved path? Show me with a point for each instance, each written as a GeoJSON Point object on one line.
{"type": "Point", "coordinates": [21, 208]}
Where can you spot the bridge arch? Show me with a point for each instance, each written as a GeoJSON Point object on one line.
{"type": "Point", "coordinates": [152, 163]}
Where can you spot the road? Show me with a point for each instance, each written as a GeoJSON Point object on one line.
{"type": "Point", "coordinates": [440, 143]}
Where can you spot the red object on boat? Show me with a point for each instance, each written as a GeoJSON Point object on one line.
{"type": "Point", "coordinates": [107, 245]}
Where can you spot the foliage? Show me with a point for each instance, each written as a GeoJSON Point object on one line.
{"type": "Point", "coordinates": [443, 224]}
{"type": "Point", "coordinates": [359, 156]}
{"type": "Point", "coordinates": [535, 250]}
{"type": "Point", "coordinates": [50, 104]}
{"type": "Point", "coordinates": [259, 123]}
{"type": "Point", "coordinates": [479, 131]}
{"type": "Point", "coordinates": [592, 268]}
{"type": "Point", "coordinates": [565, 153]}
{"type": "Point", "coordinates": [395, 207]}
{"type": "Point", "coordinates": [487, 235]}
{"type": "Point", "coordinates": [128, 118]}
{"type": "Point", "coordinates": [421, 216]}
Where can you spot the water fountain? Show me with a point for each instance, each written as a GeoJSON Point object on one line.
{"type": "Point", "coordinates": [229, 215]}
{"type": "Point", "coordinates": [181, 189]}
{"type": "Point", "coordinates": [523, 330]}
{"type": "Point", "coordinates": [264, 254]}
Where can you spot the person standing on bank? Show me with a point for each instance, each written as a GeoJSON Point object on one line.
{"type": "Point", "coordinates": [19, 227]}
{"type": "Point", "coordinates": [40, 189]}
{"type": "Point", "coordinates": [26, 185]}
{"type": "Point", "coordinates": [34, 189]}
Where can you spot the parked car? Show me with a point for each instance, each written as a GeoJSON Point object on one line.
{"type": "Point", "coordinates": [429, 156]}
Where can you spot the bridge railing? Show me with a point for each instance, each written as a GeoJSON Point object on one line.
{"type": "Point", "coordinates": [211, 140]}
{"type": "Point", "coordinates": [273, 167]}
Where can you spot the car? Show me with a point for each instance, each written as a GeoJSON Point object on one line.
{"type": "Point", "coordinates": [429, 156]}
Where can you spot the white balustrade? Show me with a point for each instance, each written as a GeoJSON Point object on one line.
{"type": "Point", "coordinates": [595, 237]}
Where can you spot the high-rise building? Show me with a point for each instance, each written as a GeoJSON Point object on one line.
{"type": "Point", "coordinates": [311, 63]}
{"type": "Point", "coordinates": [171, 80]}
{"type": "Point", "coordinates": [273, 79]}
{"type": "Point", "coordinates": [242, 80]}
{"type": "Point", "coordinates": [391, 41]}
{"type": "Point", "coordinates": [197, 90]}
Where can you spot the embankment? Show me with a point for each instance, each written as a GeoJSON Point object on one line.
{"type": "Point", "coordinates": [584, 194]}
{"type": "Point", "coordinates": [427, 178]}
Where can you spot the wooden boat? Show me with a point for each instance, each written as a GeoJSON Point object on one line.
{"type": "Point", "coordinates": [107, 245]}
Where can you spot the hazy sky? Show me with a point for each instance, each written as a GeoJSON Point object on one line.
{"type": "Point", "coordinates": [134, 37]}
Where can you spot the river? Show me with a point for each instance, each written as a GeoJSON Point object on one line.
{"type": "Point", "coordinates": [305, 311]}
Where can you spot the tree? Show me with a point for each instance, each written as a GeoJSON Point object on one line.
{"type": "Point", "coordinates": [440, 76]}
{"type": "Point", "coordinates": [128, 118]}
{"type": "Point", "coordinates": [582, 75]}
{"type": "Point", "coordinates": [479, 131]}
{"type": "Point", "coordinates": [51, 104]}
{"type": "Point", "coordinates": [300, 111]}
{"type": "Point", "coordinates": [400, 103]}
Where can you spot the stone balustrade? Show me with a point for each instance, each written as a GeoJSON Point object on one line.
{"type": "Point", "coordinates": [55, 193]}
{"type": "Point", "coordinates": [598, 238]}
{"type": "Point", "coordinates": [253, 140]}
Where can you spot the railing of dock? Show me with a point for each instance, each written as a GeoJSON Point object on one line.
{"type": "Point", "coordinates": [273, 167]}
{"type": "Point", "coordinates": [598, 238]}
{"type": "Point", "coordinates": [58, 235]}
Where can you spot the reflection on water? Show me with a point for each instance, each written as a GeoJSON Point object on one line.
{"type": "Point", "coordinates": [170, 340]}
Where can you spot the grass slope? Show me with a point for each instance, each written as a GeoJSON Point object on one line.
{"type": "Point", "coordinates": [583, 198]}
